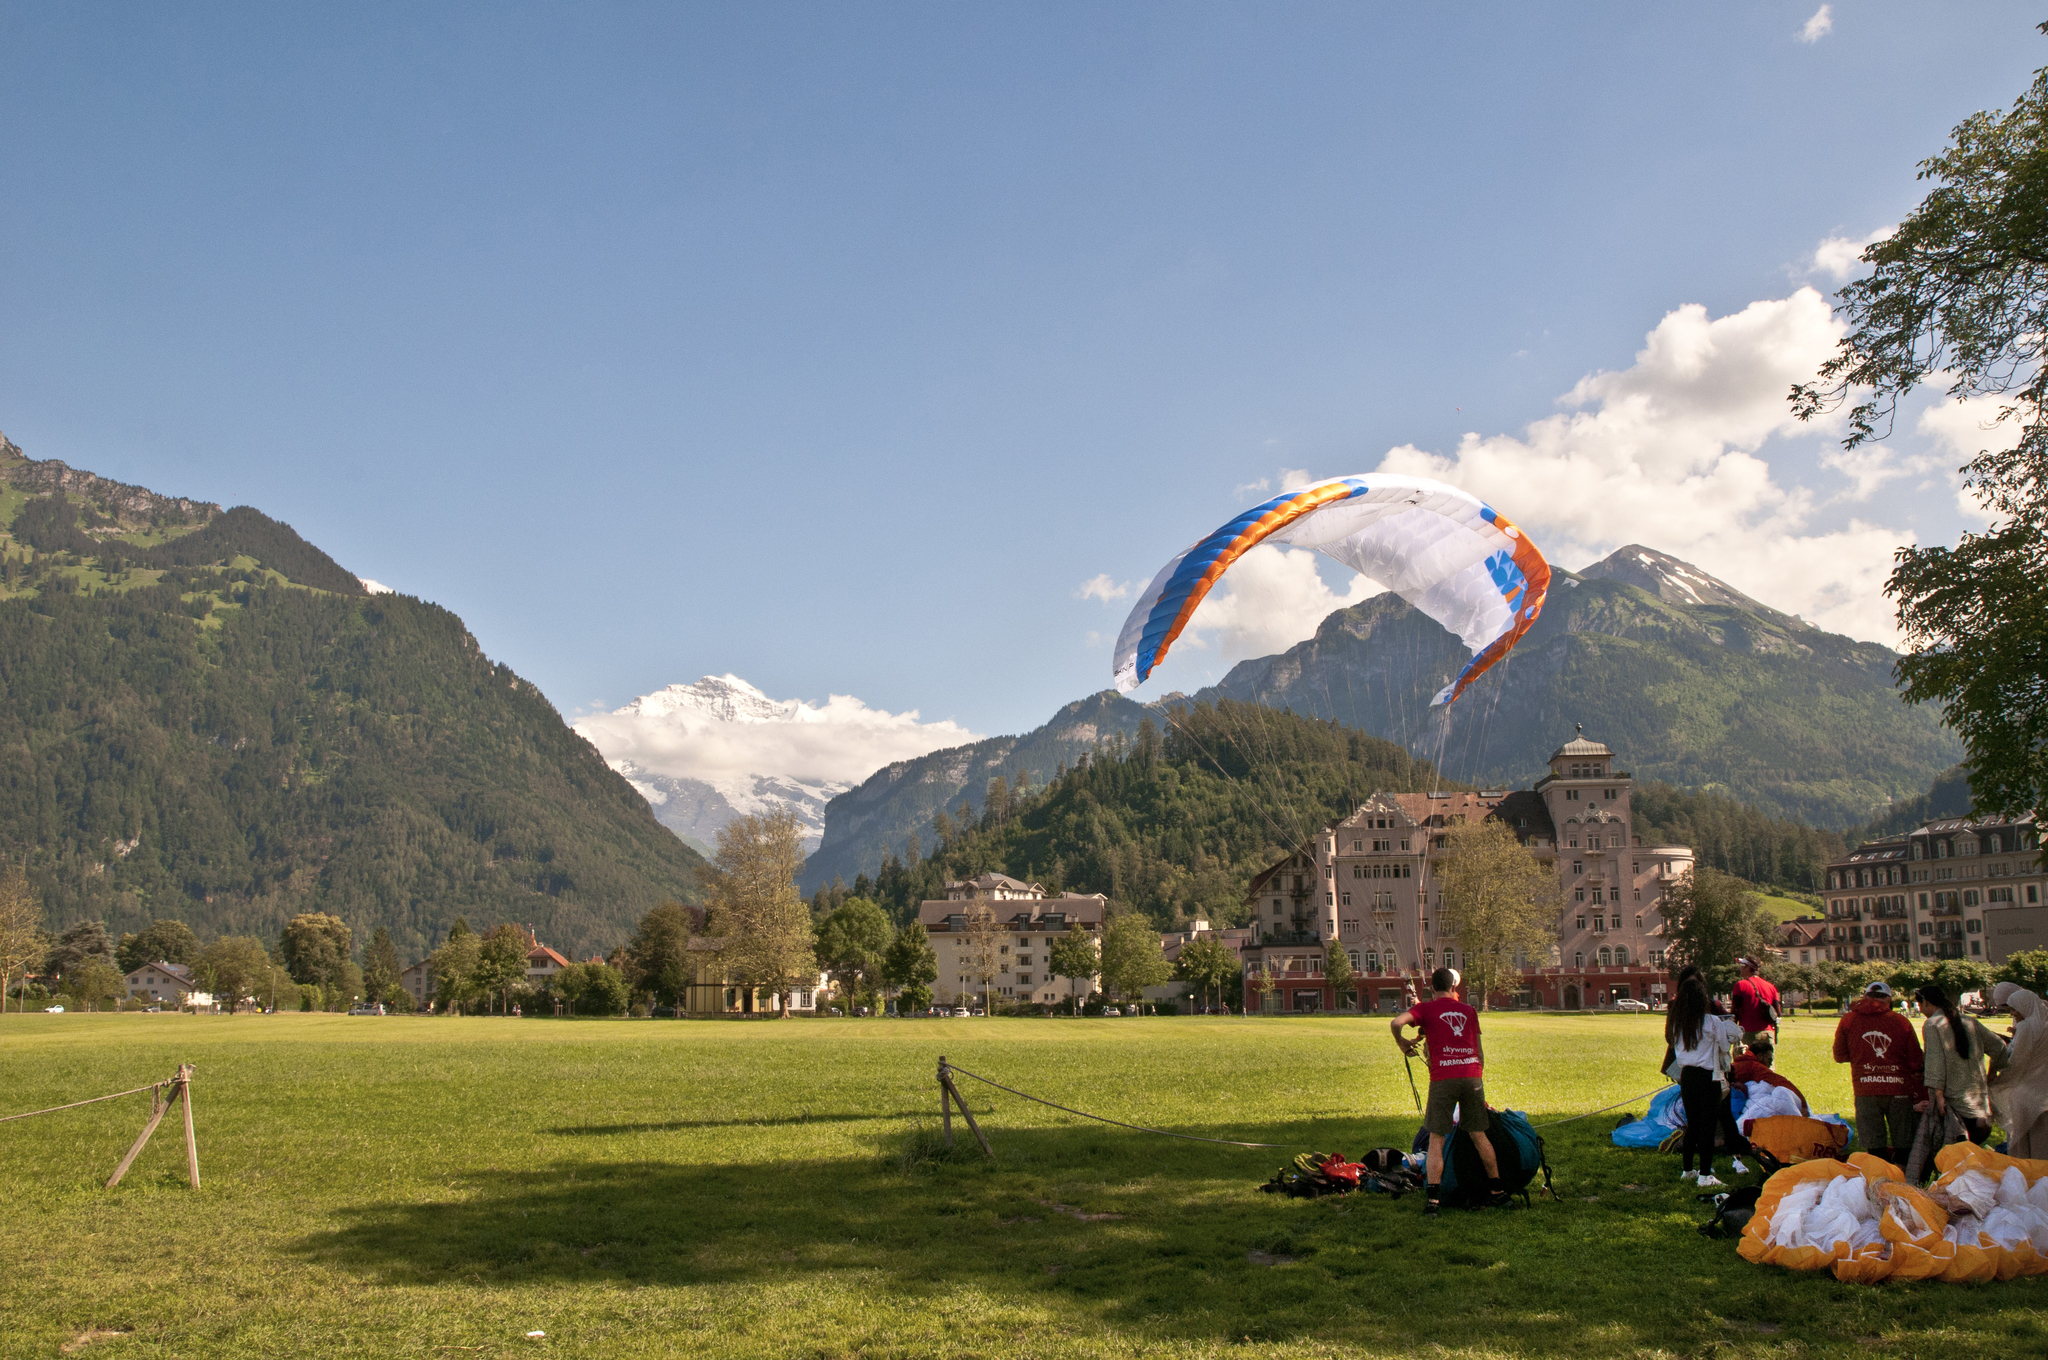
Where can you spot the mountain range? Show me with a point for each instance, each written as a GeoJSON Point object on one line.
{"type": "Point", "coordinates": [1691, 681]}
{"type": "Point", "coordinates": [205, 717]}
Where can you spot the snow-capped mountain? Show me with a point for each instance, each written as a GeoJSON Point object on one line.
{"type": "Point", "coordinates": [706, 753]}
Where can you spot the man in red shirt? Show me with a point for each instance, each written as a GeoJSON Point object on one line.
{"type": "Point", "coordinates": [1884, 1061]}
{"type": "Point", "coordinates": [1456, 1066]}
{"type": "Point", "coordinates": [1756, 1010]}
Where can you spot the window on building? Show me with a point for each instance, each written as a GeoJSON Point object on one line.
{"type": "Point", "coordinates": [1656, 958]}
{"type": "Point", "coordinates": [1580, 922]}
{"type": "Point", "coordinates": [1372, 960]}
{"type": "Point", "coordinates": [1347, 899]}
{"type": "Point", "coordinates": [1639, 894]}
{"type": "Point", "coordinates": [1354, 958]}
{"type": "Point", "coordinates": [1571, 795]}
{"type": "Point", "coordinates": [1596, 895]}
{"type": "Point", "coordinates": [1578, 894]}
{"type": "Point", "coordinates": [1578, 958]}
{"type": "Point", "coordinates": [1606, 958]}
{"type": "Point", "coordinates": [1639, 920]}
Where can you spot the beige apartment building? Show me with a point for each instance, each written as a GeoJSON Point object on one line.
{"type": "Point", "coordinates": [1368, 883]}
{"type": "Point", "coordinates": [1027, 921]}
{"type": "Point", "coordinates": [1927, 894]}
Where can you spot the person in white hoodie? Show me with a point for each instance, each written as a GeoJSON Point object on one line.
{"type": "Point", "coordinates": [1700, 1041]}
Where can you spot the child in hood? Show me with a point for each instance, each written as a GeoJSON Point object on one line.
{"type": "Point", "coordinates": [1884, 1061]}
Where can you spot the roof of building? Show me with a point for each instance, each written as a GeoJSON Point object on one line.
{"type": "Point", "coordinates": [540, 956]}
{"type": "Point", "coordinates": [1800, 934]}
{"type": "Point", "coordinates": [1088, 909]}
{"type": "Point", "coordinates": [177, 972]}
{"type": "Point", "coordinates": [1579, 746]}
{"type": "Point", "coordinates": [992, 881]}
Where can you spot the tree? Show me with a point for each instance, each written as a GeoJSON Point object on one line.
{"type": "Point", "coordinates": [1208, 964]}
{"type": "Point", "coordinates": [501, 962]}
{"type": "Point", "coordinates": [95, 982]}
{"type": "Point", "coordinates": [1959, 293]}
{"type": "Point", "coordinates": [380, 968]}
{"type": "Point", "coordinates": [315, 946]}
{"type": "Point", "coordinates": [1499, 902]}
{"type": "Point", "coordinates": [911, 966]}
{"type": "Point", "coordinates": [1075, 957]}
{"type": "Point", "coordinates": [232, 968]}
{"type": "Point", "coordinates": [754, 903]}
{"type": "Point", "coordinates": [21, 937]}
{"type": "Point", "coordinates": [1263, 983]}
{"type": "Point", "coordinates": [1337, 971]}
{"type": "Point", "coordinates": [981, 951]}
{"type": "Point", "coordinates": [2028, 968]}
{"type": "Point", "coordinates": [1957, 976]}
{"type": "Point", "coordinates": [593, 989]}
{"type": "Point", "coordinates": [165, 941]}
{"type": "Point", "coordinates": [1835, 980]}
{"type": "Point", "coordinates": [1712, 919]}
{"type": "Point", "coordinates": [658, 955]}
{"type": "Point", "coordinates": [1132, 958]}
{"type": "Point", "coordinates": [454, 968]}
{"type": "Point", "coordinates": [852, 942]}
{"type": "Point", "coordinates": [80, 944]}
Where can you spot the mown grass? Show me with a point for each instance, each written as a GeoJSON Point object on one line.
{"type": "Point", "coordinates": [441, 1187]}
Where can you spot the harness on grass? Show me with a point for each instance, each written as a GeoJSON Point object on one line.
{"type": "Point", "coordinates": [1517, 1151]}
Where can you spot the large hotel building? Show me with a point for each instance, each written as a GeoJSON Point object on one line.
{"type": "Point", "coordinates": [1368, 882]}
{"type": "Point", "coordinates": [1951, 889]}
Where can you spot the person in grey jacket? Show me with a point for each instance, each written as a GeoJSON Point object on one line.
{"type": "Point", "coordinates": [1956, 1046]}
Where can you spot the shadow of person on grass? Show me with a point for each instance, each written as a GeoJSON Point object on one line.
{"type": "Point", "coordinates": [1142, 1234]}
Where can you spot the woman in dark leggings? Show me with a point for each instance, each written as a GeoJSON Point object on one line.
{"type": "Point", "coordinates": [1699, 1047]}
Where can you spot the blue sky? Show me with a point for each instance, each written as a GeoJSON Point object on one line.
{"type": "Point", "coordinates": [839, 346]}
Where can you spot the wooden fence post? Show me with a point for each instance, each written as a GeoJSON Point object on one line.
{"type": "Point", "coordinates": [191, 1138]}
{"type": "Point", "coordinates": [945, 1106]}
{"type": "Point", "coordinates": [160, 1105]}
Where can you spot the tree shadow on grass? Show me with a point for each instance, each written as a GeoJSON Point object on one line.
{"type": "Point", "coordinates": [1177, 1242]}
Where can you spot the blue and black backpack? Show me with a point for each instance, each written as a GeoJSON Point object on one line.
{"type": "Point", "coordinates": [1517, 1150]}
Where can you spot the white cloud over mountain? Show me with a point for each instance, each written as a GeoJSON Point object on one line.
{"type": "Point", "coordinates": [708, 752]}
{"type": "Point", "coordinates": [1669, 452]}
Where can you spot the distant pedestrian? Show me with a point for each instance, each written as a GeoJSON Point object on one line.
{"type": "Point", "coordinates": [1885, 1064]}
{"type": "Point", "coordinates": [2021, 1092]}
{"type": "Point", "coordinates": [1955, 1049]}
{"type": "Point", "coordinates": [1700, 1042]}
{"type": "Point", "coordinates": [1456, 1082]}
{"type": "Point", "coordinates": [1756, 1007]}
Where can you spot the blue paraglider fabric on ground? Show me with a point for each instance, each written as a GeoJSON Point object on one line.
{"type": "Point", "coordinates": [1667, 1116]}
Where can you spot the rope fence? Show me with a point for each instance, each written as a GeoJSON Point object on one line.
{"type": "Point", "coordinates": [174, 1090]}
{"type": "Point", "coordinates": [949, 1094]}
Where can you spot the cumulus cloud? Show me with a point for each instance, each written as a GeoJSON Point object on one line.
{"type": "Point", "coordinates": [725, 732]}
{"type": "Point", "coordinates": [1819, 26]}
{"type": "Point", "coordinates": [1102, 588]}
{"type": "Point", "coordinates": [374, 587]}
{"type": "Point", "coordinates": [1840, 256]}
{"type": "Point", "coordinates": [1964, 429]}
{"type": "Point", "coordinates": [1271, 599]}
{"type": "Point", "coordinates": [1247, 489]}
{"type": "Point", "coordinates": [1666, 453]}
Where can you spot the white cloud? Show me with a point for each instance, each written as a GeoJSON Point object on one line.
{"type": "Point", "coordinates": [1819, 26]}
{"type": "Point", "coordinates": [1665, 453]}
{"type": "Point", "coordinates": [1964, 429]}
{"type": "Point", "coordinates": [1249, 488]}
{"type": "Point", "coordinates": [1271, 599]}
{"type": "Point", "coordinates": [1840, 256]}
{"type": "Point", "coordinates": [1102, 588]}
{"type": "Point", "coordinates": [725, 732]}
{"type": "Point", "coordinates": [1294, 479]}
{"type": "Point", "coordinates": [374, 587]}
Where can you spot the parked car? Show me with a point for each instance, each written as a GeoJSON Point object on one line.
{"type": "Point", "coordinates": [1629, 1004]}
{"type": "Point", "coordinates": [370, 1009]}
{"type": "Point", "coordinates": [53, 1010]}
{"type": "Point", "coordinates": [1111, 1010]}
{"type": "Point", "coordinates": [960, 1012]}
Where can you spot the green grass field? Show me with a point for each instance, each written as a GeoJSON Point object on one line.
{"type": "Point", "coordinates": [437, 1187]}
{"type": "Point", "coordinates": [1787, 908]}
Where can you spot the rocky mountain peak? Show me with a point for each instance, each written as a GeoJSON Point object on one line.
{"type": "Point", "coordinates": [1672, 581]}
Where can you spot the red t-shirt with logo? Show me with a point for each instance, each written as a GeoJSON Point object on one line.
{"type": "Point", "coordinates": [1452, 1029]}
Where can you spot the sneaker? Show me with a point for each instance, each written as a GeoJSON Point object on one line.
{"type": "Point", "coordinates": [1708, 1182]}
{"type": "Point", "coordinates": [1688, 1175]}
{"type": "Point", "coordinates": [1429, 1207]}
{"type": "Point", "coordinates": [1740, 1169]}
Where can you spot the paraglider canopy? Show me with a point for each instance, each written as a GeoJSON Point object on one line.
{"type": "Point", "coordinates": [1442, 550]}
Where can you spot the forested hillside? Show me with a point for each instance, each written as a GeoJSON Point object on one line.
{"type": "Point", "coordinates": [1691, 683]}
{"type": "Point", "coordinates": [1734, 838]}
{"type": "Point", "coordinates": [1173, 823]}
{"type": "Point", "coordinates": [188, 731]}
